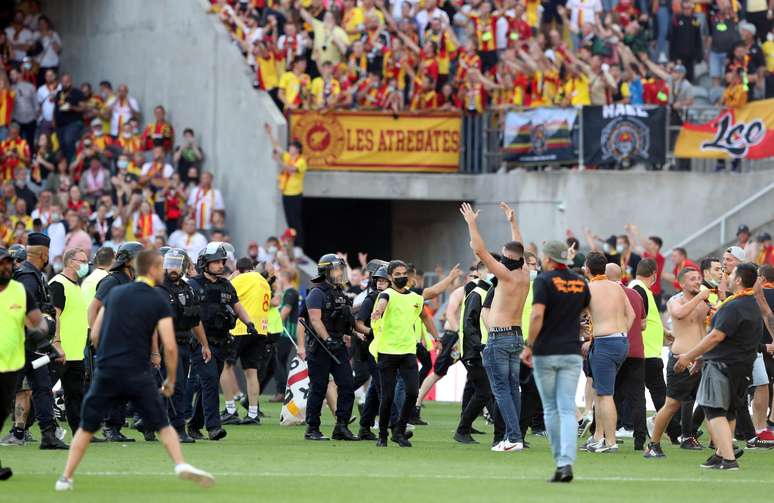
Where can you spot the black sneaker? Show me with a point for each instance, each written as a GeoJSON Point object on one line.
{"type": "Point", "coordinates": [195, 433]}
{"type": "Point", "coordinates": [691, 444]}
{"type": "Point", "coordinates": [654, 451]}
{"type": "Point", "coordinates": [112, 435]}
{"type": "Point", "coordinates": [415, 419]}
{"type": "Point", "coordinates": [227, 419]}
{"type": "Point", "coordinates": [250, 420]}
{"type": "Point", "coordinates": [712, 461]}
{"type": "Point", "coordinates": [464, 438]}
{"type": "Point", "coordinates": [726, 464]}
{"type": "Point", "coordinates": [217, 434]}
{"type": "Point", "coordinates": [314, 434]}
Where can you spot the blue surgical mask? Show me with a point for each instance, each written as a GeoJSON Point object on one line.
{"type": "Point", "coordinates": [83, 270]}
{"type": "Point", "coordinates": [533, 275]}
{"type": "Point", "coordinates": [619, 248]}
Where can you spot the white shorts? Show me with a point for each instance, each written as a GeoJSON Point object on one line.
{"type": "Point", "coordinates": [759, 375]}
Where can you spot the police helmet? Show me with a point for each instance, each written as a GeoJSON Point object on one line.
{"type": "Point", "coordinates": [18, 252]}
{"type": "Point", "coordinates": [381, 273]}
{"type": "Point", "coordinates": [328, 263]}
{"type": "Point", "coordinates": [374, 265]}
{"type": "Point", "coordinates": [175, 260]}
{"type": "Point", "coordinates": [125, 254]}
{"type": "Point", "coordinates": [213, 252]}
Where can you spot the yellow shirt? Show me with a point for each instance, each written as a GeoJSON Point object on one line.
{"type": "Point", "coordinates": [353, 20]}
{"type": "Point", "coordinates": [320, 91]}
{"type": "Point", "coordinates": [268, 71]}
{"type": "Point", "coordinates": [254, 294]}
{"type": "Point", "coordinates": [578, 90]}
{"type": "Point", "coordinates": [292, 184]}
{"type": "Point", "coordinates": [291, 85]}
{"type": "Point", "coordinates": [768, 52]}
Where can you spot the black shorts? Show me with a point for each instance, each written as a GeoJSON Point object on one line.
{"type": "Point", "coordinates": [255, 352]}
{"type": "Point", "coordinates": [739, 379]}
{"type": "Point", "coordinates": [444, 360]}
{"type": "Point", "coordinates": [114, 387]}
{"type": "Point", "coordinates": [768, 361]}
{"type": "Point", "coordinates": [230, 349]}
{"type": "Point", "coordinates": [683, 386]}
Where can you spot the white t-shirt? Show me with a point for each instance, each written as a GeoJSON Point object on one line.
{"type": "Point", "coordinates": [49, 56]}
{"type": "Point", "coordinates": [582, 12]}
{"type": "Point", "coordinates": [25, 36]}
{"type": "Point", "coordinates": [168, 170]}
{"type": "Point", "coordinates": [204, 203]}
{"type": "Point", "coordinates": [122, 112]}
{"type": "Point", "coordinates": [46, 102]}
{"type": "Point", "coordinates": [191, 244]}
{"type": "Point", "coordinates": [423, 19]}
{"type": "Point", "coordinates": [56, 232]}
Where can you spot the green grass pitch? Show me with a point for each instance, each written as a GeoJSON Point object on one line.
{"type": "Point", "coordinates": [272, 463]}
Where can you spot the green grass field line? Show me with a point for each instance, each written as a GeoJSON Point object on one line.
{"type": "Point", "coordinates": [273, 463]}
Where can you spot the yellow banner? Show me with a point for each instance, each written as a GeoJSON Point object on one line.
{"type": "Point", "coordinates": [377, 141]}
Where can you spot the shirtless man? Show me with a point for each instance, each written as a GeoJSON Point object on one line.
{"type": "Point", "coordinates": [504, 344]}
{"type": "Point", "coordinates": [611, 316]}
{"type": "Point", "coordinates": [688, 311]}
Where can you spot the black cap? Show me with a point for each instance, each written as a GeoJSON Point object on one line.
{"type": "Point", "coordinates": [38, 239]}
{"type": "Point", "coordinates": [765, 236]}
{"type": "Point", "coordinates": [742, 229]}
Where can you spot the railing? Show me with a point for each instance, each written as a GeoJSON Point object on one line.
{"type": "Point", "coordinates": [720, 226]}
{"type": "Point", "coordinates": [493, 159]}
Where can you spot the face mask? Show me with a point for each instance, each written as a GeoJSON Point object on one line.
{"type": "Point", "coordinates": [272, 250]}
{"type": "Point", "coordinates": [533, 275]}
{"type": "Point", "coordinates": [713, 283]}
{"type": "Point", "coordinates": [57, 267]}
{"type": "Point", "coordinates": [27, 66]}
{"type": "Point", "coordinates": [619, 248]}
{"type": "Point", "coordinates": [606, 248]}
{"type": "Point", "coordinates": [512, 264]}
{"type": "Point", "coordinates": [123, 164]}
{"type": "Point", "coordinates": [401, 282]}
{"type": "Point", "coordinates": [56, 217]}
{"type": "Point", "coordinates": [83, 270]}
{"type": "Point", "coordinates": [98, 132]}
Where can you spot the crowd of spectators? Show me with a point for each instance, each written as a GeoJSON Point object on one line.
{"type": "Point", "coordinates": [80, 164]}
{"type": "Point", "coordinates": [478, 54]}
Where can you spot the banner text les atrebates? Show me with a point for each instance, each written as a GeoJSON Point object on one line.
{"type": "Point", "coordinates": [375, 141]}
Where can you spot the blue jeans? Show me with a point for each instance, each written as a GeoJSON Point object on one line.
{"type": "Point", "coordinates": [556, 377]}
{"type": "Point", "coordinates": [501, 361]}
{"type": "Point", "coordinates": [663, 17]}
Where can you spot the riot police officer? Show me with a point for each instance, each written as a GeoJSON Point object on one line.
{"type": "Point", "coordinates": [185, 306]}
{"type": "Point", "coordinates": [120, 273]}
{"type": "Point", "coordinates": [30, 274]}
{"type": "Point", "coordinates": [18, 253]}
{"type": "Point", "coordinates": [330, 317]}
{"type": "Point", "coordinates": [219, 310]}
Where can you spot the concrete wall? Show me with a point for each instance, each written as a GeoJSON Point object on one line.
{"type": "Point", "coordinates": [171, 52]}
{"type": "Point", "coordinates": [672, 205]}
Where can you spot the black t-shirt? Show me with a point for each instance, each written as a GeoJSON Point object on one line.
{"type": "Point", "coordinates": [565, 295]}
{"type": "Point", "coordinates": [109, 282]}
{"type": "Point", "coordinates": [366, 308]}
{"type": "Point", "coordinates": [290, 299]}
{"type": "Point", "coordinates": [73, 97]}
{"type": "Point", "coordinates": [58, 293]}
{"type": "Point", "coordinates": [131, 314]}
{"type": "Point", "coordinates": [740, 320]}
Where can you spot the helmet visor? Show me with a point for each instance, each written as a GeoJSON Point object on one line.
{"type": "Point", "coordinates": [173, 262]}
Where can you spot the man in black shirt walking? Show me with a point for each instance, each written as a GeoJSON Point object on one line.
{"type": "Point", "coordinates": [559, 298]}
{"type": "Point", "coordinates": [122, 334]}
{"type": "Point", "coordinates": [729, 351]}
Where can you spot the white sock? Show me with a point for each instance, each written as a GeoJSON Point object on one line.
{"type": "Point", "coordinates": [230, 406]}
{"type": "Point", "coordinates": [252, 411]}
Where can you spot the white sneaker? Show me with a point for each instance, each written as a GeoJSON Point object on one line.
{"type": "Point", "coordinates": [498, 447]}
{"type": "Point", "coordinates": [651, 424]}
{"type": "Point", "coordinates": [509, 446]}
{"type": "Point", "coordinates": [64, 484]}
{"type": "Point", "coordinates": [624, 433]}
{"type": "Point", "coordinates": [188, 472]}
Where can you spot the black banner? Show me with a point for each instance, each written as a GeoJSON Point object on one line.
{"type": "Point", "coordinates": [540, 135]}
{"type": "Point", "coordinates": [624, 134]}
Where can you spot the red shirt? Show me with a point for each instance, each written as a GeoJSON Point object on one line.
{"type": "Point", "coordinates": [660, 260]}
{"type": "Point", "coordinates": [687, 264]}
{"type": "Point", "coordinates": [636, 346]}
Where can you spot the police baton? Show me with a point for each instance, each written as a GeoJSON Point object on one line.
{"type": "Point", "coordinates": [319, 340]}
{"type": "Point", "coordinates": [167, 398]}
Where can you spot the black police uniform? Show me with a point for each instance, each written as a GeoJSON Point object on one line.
{"type": "Point", "coordinates": [336, 312]}
{"type": "Point", "coordinates": [39, 379]}
{"type": "Point", "coordinates": [371, 406]}
{"type": "Point", "coordinates": [216, 300]}
{"type": "Point", "coordinates": [185, 308]}
{"type": "Point", "coordinates": [124, 373]}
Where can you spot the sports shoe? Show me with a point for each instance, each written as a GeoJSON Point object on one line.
{"type": "Point", "coordinates": [64, 484]}
{"type": "Point", "coordinates": [509, 446]}
{"type": "Point", "coordinates": [250, 420]}
{"type": "Point", "coordinates": [227, 419]}
{"type": "Point", "coordinates": [416, 419]}
{"type": "Point", "coordinates": [583, 426]}
{"type": "Point", "coordinates": [712, 461]}
{"type": "Point", "coordinates": [464, 438]}
{"type": "Point", "coordinates": [691, 444]}
{"type": "Point", "coordinates": [187, 472]}
{"type": "Point", "coordinates": [28, 436]}
{"type": "Point", "coordinates": [624, 433]}
{"type": "Point", "coordinates": [589, 441]}
{"type": "Point", "coordinates": [5, 473]}
{"type": "Point", "coordinates": [725, 464]}
{"type": "Point", "coordinates": [12, 440]}
{"type": "Point", "coordinates": [314, 434]}
{"type": "Point", "coordinates": [112, 435]}
{"type": "Point", "coordinates": [217, 434]}
{"type": "Point", "coordinates": [654, 451]}
{"type": "Point", "coordinates": [651, 425]}
{"type": "Point", "coordinates": [766, 438]}
{"type": "Point", "coordinates": [602, 447]}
